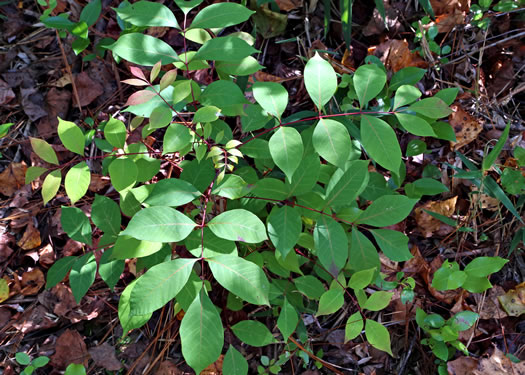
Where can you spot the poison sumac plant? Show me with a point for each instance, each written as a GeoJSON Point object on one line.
{"type": "Point", "coordinates": [275, 213]}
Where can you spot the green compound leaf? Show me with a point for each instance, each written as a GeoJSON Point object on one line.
{"type": "Point", "coordinates": [115, 132]}
{"type": "Point", "coordinates": [387, 210]}
{"type": "Point", "coordinates": [286, 148]}
{"type": "Point", "coordinates": [71, 136]}
{"type": "Point", "coordinates": [288, 319]}
{"type": "Point", "coordinates": [415, 125]}
{"type": "Point", "coordinates": [332, 141]}
{"type": "Point", "coordinates": [363, 254]}
{"type": "Point", "coordinates": [330, 302]}
{"type": "Point", "coordinates": [393, 244]}
{"type": "Point", "coordinates": [380, 142]}
{"type": "Point", "coordinates": [241, 277]}
{"type": "Point", "coordinates": [147, 13]}
{"type": "Point", "coordinates": [51, 185]}
{"type": "Point", "coordinates": [82, 275]}
{"type": "Point", "coordinates": [59, 270]}
{"type": "Point", "coordinates": [201, 333]}
{"type": "Point", "coordinates": [160, 224]}
{"type": "Point", "coordinates": [159, 285]}
{"type": "Point", "coordinates": [143, 49]}
{"type": "Point", "coordinates": [77, 181]}
{"type": "Point", "coordinates": [105, 214]}
{"type": "Point", "coordinates": [369, 80]}
{"type": "Point", "coordinates": [44, 150]}
{"type": "Point", "coordinates": [431, 107]}
{"type": "Point", "coordinates": [220, 15]}
{"type": "Point", "coordinates": [320, 80]}
{"type": "Point", "coordinates": [272, 97]}
{"type": "Point", "coordinates": [172, 192]}
{"type": "Point", "coordinates": [378, 300]}
{"type": "Point", "coordinates": [354, 326]}
{"type": "Point", "coordinates": [377, 336]}
{"type": "Point", "coordinates": [253, 333]}
{"type": "Point", "coordinates": [406, 94]}
{"type": "Point", "coordinates": [76, 224]}
{"type": "Point", "coordinates": [238, 225]}
{"type": "Point", "coordinates": [128, 321]}
{"type": "Point", "coordinates": [331, 244]}
{"type": "Point", "coordinates": [344, 187]}
{"type": "Point", "coordinates": [224, 48]}
{"type": "Point", "coordinates": [484, 266]}
{"type": "Point", "coordinates": [123, 173]}
{"type": "Point", "coordinates": [234, 363]}
{"type": "Point", "coordinates": [284, 228]}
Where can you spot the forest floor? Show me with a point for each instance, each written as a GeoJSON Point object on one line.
{"type": "Point", "coordinates": [41, 78]}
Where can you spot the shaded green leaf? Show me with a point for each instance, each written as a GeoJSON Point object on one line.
{"type": "Point", "coordinates": [76, 224]}
{"type": "Point", "coordinates": [332, 141]}
{"type": "Point", "coordinates": [253, 333]}
{"type": "Point", "coordinates": [331, 244]}
{"type": "Point", "coordinates": [380, 142]}
{"type": "Point", "coordinates": [44, 150]}
{"type": "Point", "coordinates": [378, 336]}
{"type": "Point", "coordinates": [82, 275]}
{"type": "Point", "coordinates": [51, 185]}
{"type": "Point", "coordinates": [286, 148]}
{"type": "Point", "coordinates": [147, 13]}
{"type": "Point", "coordinates": [143, 49]}
{"type": "Point", "coordinates": [369, 80]}
{"type": "Point", "coordinates": [221, 15]}
{"type": "Point", "coordinates": [272, 97]}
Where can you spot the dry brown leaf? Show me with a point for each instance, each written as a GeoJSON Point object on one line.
{"type": "Point", "coordinates": [396, 55]}
{"type": "Point", "coordinates": [487, 202]}
{"type": "Point", "coordinates": [70, 348]}
{"type": "Point", "coordinates": [168, 368]}
{"type": "Point", "coordinates": [104, 356]}
{"type": "Point", "coordinates": [12, 178]}
{"type": "Point", "coordinates": [513, 301]}
{"type": "Point", "coordinates": [499, 364]}
{"type": "Point", "coordinates": [46, 256]}
{"type": "Point", "coordinates": [427, 224]}
{"type": "Point", "coordinates": [98, 183]}
{"type": "Point", "coordinates": [31, 238]}
{"type": "Point", "coordinates": [6, 93]}
{"type": "Point", "coordinates": [34, 319]}
{"type": "Point", "coordinates": [489, 307]}
{"type": "Point", "coordinates": [466, 127]}
{"type": "Point", "coordinates": [462, 366]}
{"type": "Point", "coordinates": [88, 90]}
{"type": "Point", "coordinates": [215, 368]}
{"type": "Point", "coordinates": [32, 282]}
{"type": "Point", "coordinates": [288, 5]}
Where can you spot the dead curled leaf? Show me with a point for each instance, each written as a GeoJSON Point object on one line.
{"type": "Point", "coordinates": [396, 55]}
{"type": "Point", "coordinates": [499, 364]}
{"type": "Point", "coordinates": [70, 348]}
{"type": "Point", "coordinates": [513, 302]}
{"type": "Point", "coordinates": [12, 178]}
{"type": "Point", "coordinates": [31, 238]}
{"type": "Point", "coordinates": [466, 127]}
{"type": "Point", "coordinates": [32, 282]}
{"type": "Point", "coordinates": [429, 225]}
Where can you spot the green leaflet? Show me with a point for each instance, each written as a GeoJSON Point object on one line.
{"type": "Point", "coordinates": [143, 49]}
{"type": "Point", "coordinates": [147, 13]}
{"type": "Point", "coordinates": [159, 285]}
{"type": "Point", "coordinates": [369, 80]}
{"type": "Point", "coordinates": [380, 142]}
{"type": "Point", "coordinates": [221, 15]}
{"type": "Point", "coordinates": [241, 277]}
{"type": "Point", "coordinates": [159, 224]}
{"type": "Point", "coordinates": [201, 333]}
{"type": "Point", "coordinates": [272, 97]}
{"type": "Point", "coordinates": [71, 136]}
{"type": "Point", "coordinates": [320, 80]}
{"type": "Point", "coordinates": [332, 141]}
{"type": "Point", "coordinates": [331, 244]}
{"type": "Point", "coordinates": [286, 147]}
{"type": "Point", "coordinates": [77, 181]}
